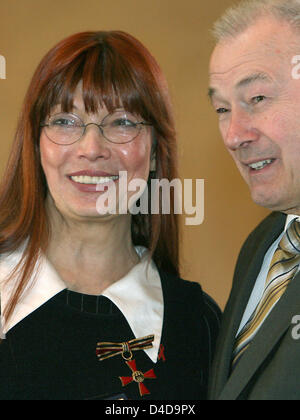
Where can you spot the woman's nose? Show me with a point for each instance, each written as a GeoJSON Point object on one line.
{"type": "Point", "coordinates": [93, 144]}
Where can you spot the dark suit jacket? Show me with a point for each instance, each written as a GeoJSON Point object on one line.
{"type": "Point", "coordinates": [270, 368]}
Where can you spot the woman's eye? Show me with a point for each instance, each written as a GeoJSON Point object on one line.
{"type": "Point", "coordinates": [65, 121]}
{"type": "Point", "coordinates": [123, 122]}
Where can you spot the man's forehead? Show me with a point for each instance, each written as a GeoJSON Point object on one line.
{"type": "Point", "coordinates": [244, 75]}
{"type": "Point", "coordinates": [236, 69]}
{"type": "Point", "coordinates": [258, 43]}
{"type": "Point", "coordinates": [243, 81]}
{"type": "Point", "coordinates": [228, 58]}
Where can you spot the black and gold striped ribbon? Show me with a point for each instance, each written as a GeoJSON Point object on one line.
{"type": "Point", "coordinates": [105, 350]}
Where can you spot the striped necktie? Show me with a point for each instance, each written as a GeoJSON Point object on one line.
{"type": "Point", "coordinates": [283, 268]}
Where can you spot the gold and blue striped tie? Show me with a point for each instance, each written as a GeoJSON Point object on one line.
{"type": "Point", "coordinates": [283, 268]}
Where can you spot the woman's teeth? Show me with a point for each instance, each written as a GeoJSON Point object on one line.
{"type": "Point", "coordinates": [94, 179]}
{"type": "Point", "coordinates": [260, 165]}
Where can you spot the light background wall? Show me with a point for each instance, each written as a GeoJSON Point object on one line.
{"type": "Point", "coordinates": [177, 33]}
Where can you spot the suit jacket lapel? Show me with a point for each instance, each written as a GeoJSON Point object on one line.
{"type": "Point", "coordinates": [271, 331]}
{"type": "Point", "coordinates": [248, 267]}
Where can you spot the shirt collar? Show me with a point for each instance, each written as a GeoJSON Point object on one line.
{"type": "Point", "coordinates": [289, 219]}
{"type": "Point", "coordinates": [138, 295]}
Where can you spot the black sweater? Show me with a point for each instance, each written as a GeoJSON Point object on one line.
{"type": "Point", "coordinates": [51, 354]}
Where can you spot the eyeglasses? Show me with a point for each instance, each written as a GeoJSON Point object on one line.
{"type": "Point", "coordinates": [118, 127]}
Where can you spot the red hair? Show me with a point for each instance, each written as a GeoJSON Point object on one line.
{"type": "Point", "coordinates": [115, 69]}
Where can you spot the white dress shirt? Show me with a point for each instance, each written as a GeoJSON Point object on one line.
{"type": "Point", "coordinates": [259, 286]}
{"type": "Point", "coordinates": [138, 295]}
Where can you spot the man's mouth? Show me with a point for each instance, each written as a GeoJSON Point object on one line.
{"type": "Point", "coordinates": [85, 179]}
{"type": "Point", "coordinates": [257, 166]}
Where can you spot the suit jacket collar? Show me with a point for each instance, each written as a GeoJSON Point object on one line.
{"type": "Point", "coordinates": [274, 327]}
{"type": "Point", "coordinates": [248, 267]}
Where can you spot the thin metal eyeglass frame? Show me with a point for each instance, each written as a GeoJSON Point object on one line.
{"type": "Point", "coordinates": [100, 126]}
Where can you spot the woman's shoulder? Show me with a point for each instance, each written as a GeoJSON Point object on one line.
{"type": "Point", "coordinates": [190, 292]}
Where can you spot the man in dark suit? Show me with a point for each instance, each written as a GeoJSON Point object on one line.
{"type": "Point", "coordinates": [255, 90]}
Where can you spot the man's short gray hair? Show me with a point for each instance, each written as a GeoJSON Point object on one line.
{"type": "Point", "coordinates": [238, 18]}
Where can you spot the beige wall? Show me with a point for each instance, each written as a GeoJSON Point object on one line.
{"type": "Point", "coordinates": [177, 33]}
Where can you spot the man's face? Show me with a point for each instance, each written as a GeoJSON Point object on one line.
{"type": "Point", "coordinates": [254, 90]}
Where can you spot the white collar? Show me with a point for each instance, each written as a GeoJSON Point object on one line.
{"type": "Point", "coordinates": [138, 295]}
{"type": "Point", "coordinates": [289, 218]}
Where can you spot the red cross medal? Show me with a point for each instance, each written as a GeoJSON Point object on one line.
{"type": "Point", "coordinates": [137, 376]}
{"type": "Point", "coordinates": [106, 350]}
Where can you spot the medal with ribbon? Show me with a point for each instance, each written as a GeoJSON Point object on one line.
{"type": "Point", "coordinates": [106, 350]}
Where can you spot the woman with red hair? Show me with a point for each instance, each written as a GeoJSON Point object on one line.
{"type": "Point", "coordinates": [92, 305]}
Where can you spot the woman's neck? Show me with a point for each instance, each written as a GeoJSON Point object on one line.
{"type": "Point", "coordinates": [91, 255]}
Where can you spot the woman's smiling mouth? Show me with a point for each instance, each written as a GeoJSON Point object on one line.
{"type": "Point", "coordinates": [85, 179]}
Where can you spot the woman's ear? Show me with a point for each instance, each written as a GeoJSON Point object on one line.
{"type": "Point", "coordinates": [153, 162]}
{"type": "Point", "coordinates": [153, 152]}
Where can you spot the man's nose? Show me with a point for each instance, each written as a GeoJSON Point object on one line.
{"type": "Point", "coordinates": [240, 131]}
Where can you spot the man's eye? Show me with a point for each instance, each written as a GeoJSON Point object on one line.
{"type": "Point", "coordinates": [257, 99]}
{"type": "Point", "coordinates": [221, 110]}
